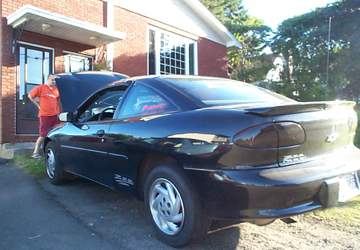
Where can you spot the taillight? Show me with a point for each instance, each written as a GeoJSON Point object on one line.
{"type": "Point", "coordinates": [290, 134]}
{"type": "Point", "coordinates": [260, 137]}
{"type": "Point", "coordinates": [271, 135]}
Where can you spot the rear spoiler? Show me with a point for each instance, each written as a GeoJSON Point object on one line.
{"type": "Point", "coordinates": [299, 107]}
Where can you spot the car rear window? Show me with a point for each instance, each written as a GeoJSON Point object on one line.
{"type": "Point", "coordinates": [222, 91]}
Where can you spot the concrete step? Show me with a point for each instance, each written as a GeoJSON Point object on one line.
{"type": "Point", "coordinates": [11, 150]}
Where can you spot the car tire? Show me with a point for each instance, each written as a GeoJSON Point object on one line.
{"type": "Point", "coordinates": [174, 207]}
{"type": "Point", "coordinates": [54, 170]}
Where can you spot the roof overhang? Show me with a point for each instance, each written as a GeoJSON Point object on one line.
{"type": "Point", "coordinates": [55, 25]}
{"type": "Point", "coordinates": [231, 42]}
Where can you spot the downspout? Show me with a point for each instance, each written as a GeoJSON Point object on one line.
{"type": "Point", "coordinates": [110, 25]}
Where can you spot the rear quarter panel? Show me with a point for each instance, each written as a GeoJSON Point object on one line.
{"type": "Point", "coordinates": [143, 136]}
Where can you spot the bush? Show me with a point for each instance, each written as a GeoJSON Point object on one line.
{"type": "Point", "coordinates": [357, 137]}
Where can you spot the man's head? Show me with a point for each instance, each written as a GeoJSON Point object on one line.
{"type": "Point", "coordinates": [51, 81]}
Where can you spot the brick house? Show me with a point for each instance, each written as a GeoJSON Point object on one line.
{"type": "Point", "coordinates": [42, 37]}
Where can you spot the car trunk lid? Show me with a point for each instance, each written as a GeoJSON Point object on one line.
{"type": "Point", "coordinates": [74, 88]}
{"type": "Point", "coordinates": [328, 126]}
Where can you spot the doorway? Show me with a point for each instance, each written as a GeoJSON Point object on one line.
{"type": "Point", "coordinates": [34, 64]}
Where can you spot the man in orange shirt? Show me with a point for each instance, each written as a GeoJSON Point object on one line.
{"type": "Point", "coordinates": [49, 103]}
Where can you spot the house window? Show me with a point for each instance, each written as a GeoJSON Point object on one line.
{"type": "Point", "coordinates": [77, 62]}
{"type": "Point", "coordinates": [171, 54]}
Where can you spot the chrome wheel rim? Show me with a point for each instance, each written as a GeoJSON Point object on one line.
{"type": "Point", "coordinates": [166, 205]}
{"type": "Point", "coordinates": [50, 163]}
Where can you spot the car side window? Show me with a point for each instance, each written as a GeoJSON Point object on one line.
{"type": "Point", "coordinates": [144, 100]}
{"type": "Point", "coordinates": [102, 106]}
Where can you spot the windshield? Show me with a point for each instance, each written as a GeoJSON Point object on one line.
{"type": "Point", "coordinates": [223, 91]}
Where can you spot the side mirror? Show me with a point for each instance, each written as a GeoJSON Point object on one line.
{"type": "Point", "coordinates": [66, 117]}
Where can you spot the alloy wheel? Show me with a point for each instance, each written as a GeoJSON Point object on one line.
{"type": "Point", "coordinates": [50, 163]}
{"type": "Point", "coordinates": [166, 205]}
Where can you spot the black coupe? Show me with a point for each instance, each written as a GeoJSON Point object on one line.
{"type": "Point", "coordinates": [200, 148]}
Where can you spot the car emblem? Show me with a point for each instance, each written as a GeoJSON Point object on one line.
{"type": "Point", "coordinates": [294, 158]}
{"type": "Point", "coordinates": [333, 136]}
{"type": "Point", "coordinates": [123, 180]}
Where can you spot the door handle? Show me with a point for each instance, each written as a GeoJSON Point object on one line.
{"type": "Point", "coordinates": [119, 144]}
{"type": "Point", "coordinates": [100, 133]}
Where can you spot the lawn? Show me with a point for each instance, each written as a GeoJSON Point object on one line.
{"type": "Point", "coordinates": [343, 216]}
{"type": "Point", "coordinates": [34, 167]}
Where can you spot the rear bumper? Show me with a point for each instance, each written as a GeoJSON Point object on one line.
{"type": "Point", "coordinates": [271, 193]}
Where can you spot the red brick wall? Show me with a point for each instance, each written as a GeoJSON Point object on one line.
{"type": "Point", "coordinates": [130, 55]}
{"type": "Point", "coordinates": [212, 60]}
{"type": "Point", "coordinates": [85, 10]}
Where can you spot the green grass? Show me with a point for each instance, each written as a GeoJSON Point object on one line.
{"type": "Point", "coordinates": [33, 167]}
{"type": "Point", "coordinates": [348, 212]}
{"type": "Point", "coordinates": [343, 216]}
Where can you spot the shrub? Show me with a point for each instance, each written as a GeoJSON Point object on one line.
{"type": "Point", "coordinates": [357, 136]}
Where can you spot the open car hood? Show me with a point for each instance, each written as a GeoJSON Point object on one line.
{"type": "Point", "coordinates": [74, 88]}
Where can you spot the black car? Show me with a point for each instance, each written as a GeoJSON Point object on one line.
{"type": "Point", "coordinates": [199, 148]}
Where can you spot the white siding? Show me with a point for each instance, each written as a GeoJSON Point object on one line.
{"type": "Point", "coordinates": [175, 13]}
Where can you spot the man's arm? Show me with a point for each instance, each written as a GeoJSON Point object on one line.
{"type": "Point", "coordinates": [34, 101]}
{"type": "Point", "coordinates": [59, 105]}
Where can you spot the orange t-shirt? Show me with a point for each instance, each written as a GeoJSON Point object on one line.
{"type": "Point", "coordinates": [48, 98]}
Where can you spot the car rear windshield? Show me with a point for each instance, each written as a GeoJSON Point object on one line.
{"type": "Point", "coordinates": [213, 92]}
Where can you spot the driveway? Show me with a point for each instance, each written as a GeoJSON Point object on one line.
{"type": "Point", "coordinates": [31, 218]}
{"type": "Point", "coordinates": [84, 215]}
{"type": "Point", "coordinates": [77, 215]}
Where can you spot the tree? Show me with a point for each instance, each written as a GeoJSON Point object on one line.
{"type": "Point", "coordinates": [223, 9]}
{"type": "Point", "coordinates": [248, 63]}
{"type": "Point", "coordinates": [318, 68]}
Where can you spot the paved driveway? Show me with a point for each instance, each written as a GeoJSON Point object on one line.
{"type": "Point", "coordinates": [31, 218]}
{"type": "Point", "coordinates": [79, 215]}
{"type": "Point", "coordinates": [84, 215]}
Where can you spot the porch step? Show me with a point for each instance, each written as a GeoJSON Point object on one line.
{"type": "Point", "coordinates": [11, 150]}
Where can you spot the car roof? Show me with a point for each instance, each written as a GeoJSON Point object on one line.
{"type": "Point", "coordinates": [74, 88]}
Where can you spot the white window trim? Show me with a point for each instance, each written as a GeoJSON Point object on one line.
{"type": "Point", "coordinates": [157, 50]}
{"type": "Point", "coordinates": [42, 47]}
{"type": "Point", "coordinates": [77, 54]}
{"type": "Point", "coordinates": [196, 62]}
{"type": "Point", "coordinates": [65, 53]}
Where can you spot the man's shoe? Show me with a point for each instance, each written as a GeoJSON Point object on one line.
{"type": "Point", "coordinates": [36, 156]}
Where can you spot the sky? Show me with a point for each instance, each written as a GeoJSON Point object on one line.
{"type": "Point", "coordinates": [273, 12]}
